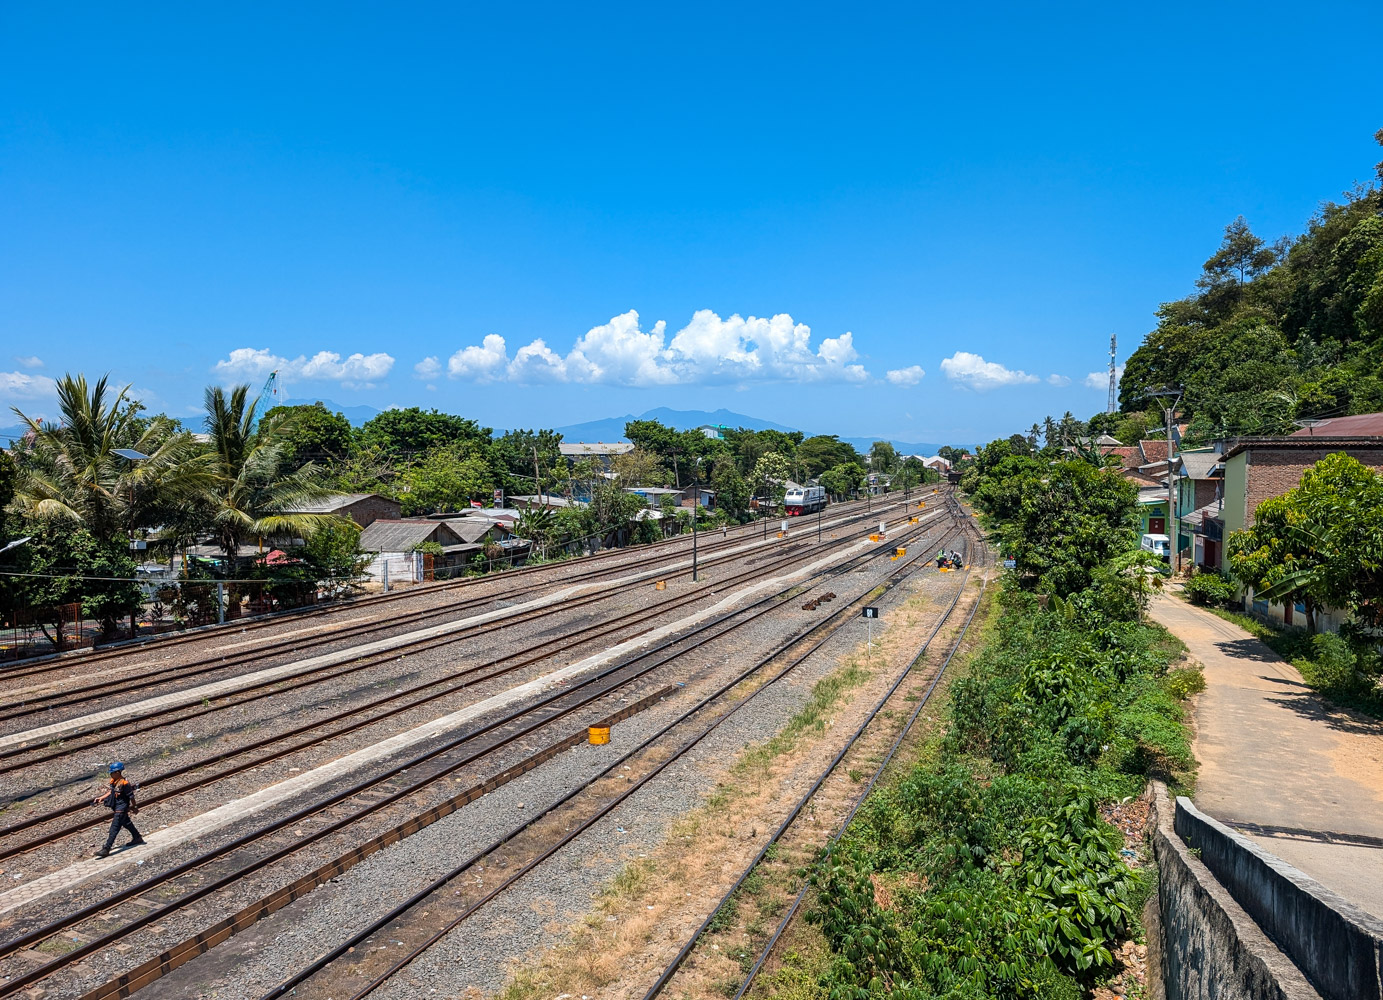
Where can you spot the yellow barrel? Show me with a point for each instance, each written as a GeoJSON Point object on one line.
{"type": "Point", "coordinates": [901, 551]}
{"type": "Point", "coordinates": [875, 537]}
{"type": "Point", "coordinates": [598, 735]}
{"type": "Point", "coordinates": [660, 585]}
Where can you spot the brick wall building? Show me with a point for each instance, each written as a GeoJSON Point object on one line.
{"type": "Point", "coordinates": [362, 508]}
{"type": "Point", "coordinates": [1268, 467]}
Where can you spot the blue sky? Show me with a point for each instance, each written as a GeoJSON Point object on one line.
{"type": "Point", "coordinates": [768, 209]}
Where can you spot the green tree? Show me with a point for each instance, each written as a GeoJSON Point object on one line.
{"type": "Point", "coordinates": [824, 451]}
{"type": "Point", "coordinates": [253, 489]}
{"type": "Point", "coordinates": [731, 489]}
{"type": "Point", "coordinates": [446, 479]}
{"type": "Point", "coordinates": [883, 456]}
{"type": "Point", "coordinates": [843, 480]}
{"type": "Point", "coordinates": [1320, 543]}
{"type": "Point", "coordinates": [770, 477]}
{"type": "Point", "coordinates": [518, 451]}
{"type": "Point", "coordinates": [1069, 520]}
{"type": "Point", "coordinates": [70, 565]}
{"type": "Point", "coordinates": [70, 472]}
{"type": "Point", "coordinates": [311, 433]}
{"type": "Point", "coordinates": [412, 432]}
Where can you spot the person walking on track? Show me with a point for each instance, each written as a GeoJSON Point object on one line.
{"type": "Point", "coordinates": [120, 800]}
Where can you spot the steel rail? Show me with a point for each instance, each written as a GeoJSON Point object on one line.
{"type": "Point", "coordinates": [180, 714]}
{"type": "Point", "coordinates": [661, 983]}
{"type": "Point", "coordinates": [751, 612]}
{"type": "Point", "coordinates": [845, 824]}
{"type": "Point", "coordinates": [447, 685]}
{"type": "Point", "coordinates": [36, 704]}
{"type": "Point", "coordinates": [355, 939]}
{"type": "Point", "coordinates": [630, 554]}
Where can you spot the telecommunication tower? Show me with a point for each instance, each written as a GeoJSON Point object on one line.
{"type": "Point", "coordinates": [1113, 377]}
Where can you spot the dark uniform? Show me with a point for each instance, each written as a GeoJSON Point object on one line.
{"type": "Point", "coordinates": [119, 799]}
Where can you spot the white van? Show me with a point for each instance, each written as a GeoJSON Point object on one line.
{"type": "Point", "coordinates": [1159, 545]}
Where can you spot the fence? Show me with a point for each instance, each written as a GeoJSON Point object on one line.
{"type": "Point", "coordinates": [169, 605]}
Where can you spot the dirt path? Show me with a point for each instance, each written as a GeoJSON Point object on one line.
{"type": "Point", "coordinates": [1302, 779]}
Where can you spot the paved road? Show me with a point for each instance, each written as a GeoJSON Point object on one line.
{"type": "Point", "coordinates": [1303, 781]}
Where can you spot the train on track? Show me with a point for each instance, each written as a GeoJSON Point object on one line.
{"type": "Point", "coordinates": [804, 500]}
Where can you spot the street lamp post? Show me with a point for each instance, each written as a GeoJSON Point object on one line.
{"type": "Point", "coordinates": [133, 457]}
{"type": "Point", "coordinates": [696, 500]}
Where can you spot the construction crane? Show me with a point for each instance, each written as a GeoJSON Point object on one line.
{"type": "Point", "coordinates": [269, 395]}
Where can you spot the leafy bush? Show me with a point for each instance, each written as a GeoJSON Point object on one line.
{"type": "Point", "coordinates": [1210, 590]}
{"type": "Point", "coordinates": [1183, 683]}
{"type": "Point", "coordinates": [1002, 879]}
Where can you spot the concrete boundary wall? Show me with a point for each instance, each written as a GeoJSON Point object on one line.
{"type": "Point", "coordinates": [1210, 949]}
{"type": "Point", "coordinates": [1338, 946]}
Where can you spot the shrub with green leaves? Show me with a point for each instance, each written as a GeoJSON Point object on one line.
{"type": "Point", "coordinates": [1210, 590]}
{"type": "Point", "coordinates": [987, 870]}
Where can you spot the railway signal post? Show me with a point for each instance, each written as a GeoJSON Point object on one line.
{"type": "Point", "coordinates": [869, 614]}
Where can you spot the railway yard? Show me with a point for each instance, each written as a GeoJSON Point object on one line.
{"type": "Point", "coordinates": [398, 796]}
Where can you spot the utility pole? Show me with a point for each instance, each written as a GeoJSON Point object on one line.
{"type": "Point", "coordinates": [1169, 410]}
{"type": "Point", "coordinates": [536, 480]}
{"type": "Point", "coordinates": [695, 501]}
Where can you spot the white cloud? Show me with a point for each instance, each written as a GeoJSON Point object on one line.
{"type": "Point", "coordinates": [32, 361]}
{"type": "Point", "coordinates": [1058, 380]}
{"type": "Point", "coordinates": [18, 385]}
{"type": "Point", "coordinates": [977, 373]}
{"type": "Point", "coordinates": [479, 363]}
{"type": "Point", "coordinates": [428, 368]}
{"type": "Point", "coordinates": [707, 349]}
{"type": "Point", "coordinates": [910, 375]}
{"type": "Point", "coordinates": [357, 371]}
{"type": "Point", "coordinates": [1100, 380]}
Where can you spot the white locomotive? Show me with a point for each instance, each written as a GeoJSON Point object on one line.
{"type": "Point", "coordinates": [804, 500]}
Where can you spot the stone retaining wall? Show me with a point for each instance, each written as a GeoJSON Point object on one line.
{"type": "Point", "coordinates": [1338, 946]}
{"type": "Point", "coordinates": [1211, 949]}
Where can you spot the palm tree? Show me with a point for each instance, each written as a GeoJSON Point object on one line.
{"type": "Point", "coordinates": [1048, 432]}
{"type": "Point", "coordinates": [253, 489]}
{"type": "Point", "coordinates": [1034, 432]}
{"type": "Point", "coordinates": [71, 473]}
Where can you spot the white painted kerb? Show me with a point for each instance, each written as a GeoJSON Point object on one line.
{"type": "Point", "coordinates": [197, 826]}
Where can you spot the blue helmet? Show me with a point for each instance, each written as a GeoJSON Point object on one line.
{"type": "Point", "coordinates": [117, 766]}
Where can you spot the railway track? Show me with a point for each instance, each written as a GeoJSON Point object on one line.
{"type": "Point", "coordinates": [342, 970]}
{"type": "Point", "coordinates": [338, 724]}
{"type": "Point", "coordinates": [605, 562]}
{"type": "Point", "coordinates": [67, 692]}
{"type": "Point", "coordinates": [687, 951]}
{"type": "Point", "coordinates": [427, 769]}
{"type": "Point", "coordinates": [103, 730]}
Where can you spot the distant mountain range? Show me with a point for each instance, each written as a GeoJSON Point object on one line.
{"type": "Point", "coordinates": [612, 428]}
{"type": "Point", "coordinates": [357, 415]}
{"type": "Point", "coordinates": [609, 429]}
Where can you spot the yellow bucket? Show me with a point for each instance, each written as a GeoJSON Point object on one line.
{"type": "Point", "coordinates": [900, 552]}
{"type": "Point", "coordinates": [598, 735]}
{"type": "Point", "coordinates": [875, 537]}
{"type": "Point", "coordinates": [780, 534]}
{"type": "Point", "coordinates": [660, 585]}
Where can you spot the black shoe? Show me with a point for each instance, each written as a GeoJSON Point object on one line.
{"type": "Point", "coordinates": [137, 842]}
{"type": "Point", "coordinates": [103, 852]}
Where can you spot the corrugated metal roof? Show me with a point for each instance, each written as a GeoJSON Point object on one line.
{"type": "Point", "coordinates": [585, 449]}
{"type": "Point", "coordinates": [471, 529]}
{"type": "Point", "coordinates": [335, 502]}
{"type": "Point", "coordinates": [399, 536]}
{"type": "Point", "coordinates": [1200, 464]}
{"type": "Point", "coordinates": [1360, 425]}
